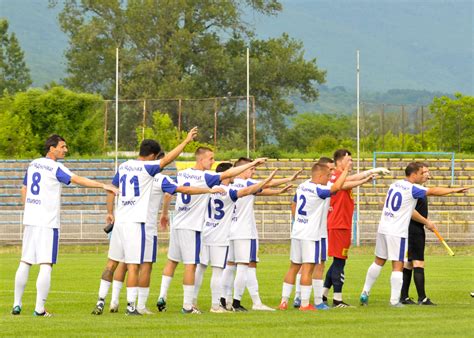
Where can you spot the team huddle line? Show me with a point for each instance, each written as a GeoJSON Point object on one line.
{"type": "Point", "coordinates": [214, 226]}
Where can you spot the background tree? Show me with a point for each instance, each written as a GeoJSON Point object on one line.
{"type": "Point", "coordinates": [187, 49]}
{"type": "Point", "coordinates": [14, 75]}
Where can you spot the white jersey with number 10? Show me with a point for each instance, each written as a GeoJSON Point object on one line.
{"type": "Point", "coordinates": [398, 207]}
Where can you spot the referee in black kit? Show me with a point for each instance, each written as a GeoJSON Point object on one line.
{"type": "Point", "coordinates": [416, 254]}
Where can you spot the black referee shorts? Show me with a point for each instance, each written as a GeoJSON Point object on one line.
{"type": "Point", "coordinates": [416, 244]}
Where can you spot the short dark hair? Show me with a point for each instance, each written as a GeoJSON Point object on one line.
{"type": "Point", "coordinates": [160, 155]}
{"type": "Point", "coordinates": [52, 141]}
{"type": "Point", "coordinates": [221, 167]}
{"type": "Point", "coordinates": [202, 150]}
{"type": "Point", "coordinates": [149, 147]}
{"type": "Point", "coordinates": [319, 167]}
{"type": "Point", "coordinates": [325, 160]}
{"type": "Point", "coordinates": [340, 154]}
{"type": "Point", "coordinates": [242, 161]}
{"type": "Point", "coordinates": [413, 167]}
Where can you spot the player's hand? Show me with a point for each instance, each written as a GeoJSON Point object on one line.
{"type": "Point", "coordinates": [164, 221]}
{"type": "Point", "coordinates": [295, 175]}
{"type": "Point", "coordinates": [109, 219]}
{"type": "Point", "coordinates": [272, 175]}
{"type": "Point", "coordinates": [462, 189]}
{"type": "Point", "coordinates": [430, 226]}
{"type": "Point", "coordinates": [191, 135]}
{"type": "Point", "coordinates": [380, 171]}
{"type": "Point", "coordinates": [286, 189]}
{"type": "Point", "coordinates": [217, 190]}
{"type": "Point", "coordinates": [372, 177]}
{"type": "Point", "coordinates": [259, 161]}
{"type": "Point", "coordinates": [111, 188]}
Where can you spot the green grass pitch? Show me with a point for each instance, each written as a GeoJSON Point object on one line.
{"type": "Point", "coordinates": [75, 282]}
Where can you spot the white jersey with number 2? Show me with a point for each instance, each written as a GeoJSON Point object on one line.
{"type": "Point", "coordinates": [398, 207]}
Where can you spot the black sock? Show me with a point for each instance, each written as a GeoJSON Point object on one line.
{"type": "Point", "coordinates": [419, 277]}
{"type": "Point", "coordinates": [223, 302]}
{"type": "Point", "coordinates": [337, 274]}
{"type": "Point", "coordinates": [406, 283]}
{"type": "Point", "coordinates": [328, 280]}
{"type": "Point", "coordinates": [236, 303]}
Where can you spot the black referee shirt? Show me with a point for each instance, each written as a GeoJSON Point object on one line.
{"type": "Point", "coordinates": [422, 208]}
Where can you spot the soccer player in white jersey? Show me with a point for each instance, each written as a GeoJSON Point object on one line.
{"type": "Point", "coordinates": [135, 181]}
{"type": "Point", "coordinates": [391, 242]}
{"type": "Point", "coordinates": [215, 235]}
{"type": "Point", "coordinates": [41, 195]}
{"type": "Point", "coordinates": [161, 184]}
{"type": "Point", "coordinates": [188, 220]}
{"type": "Point", "coordinates": [306, 231]}
{"type": "Point", "coordinates": [243, 248]}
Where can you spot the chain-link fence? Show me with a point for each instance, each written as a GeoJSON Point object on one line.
{"type": "Point", "coordinates": [222, 121]}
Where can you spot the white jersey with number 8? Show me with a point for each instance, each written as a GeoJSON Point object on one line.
{"type": "Point", "coordinates": [43, 180]}
{"type": "Point", "coordinates": [398, 207]}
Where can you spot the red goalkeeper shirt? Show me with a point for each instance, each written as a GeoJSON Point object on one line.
{"type": "Point", "coordinates": [341, 207]}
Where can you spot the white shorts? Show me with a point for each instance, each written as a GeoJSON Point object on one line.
{"type": "Point", "coordinates": [303, 251]}
{"type": "Point", "coordinates": [151, 247]}
{"type": "Point", "coordinates": [185, 246]}
{"type": "Point", "coordinates": [392, 248]}
{"type": "Point", "coordinates": [127, 243]}
{"type": "Point", "coordinates": [243, 251]}
{"type": "Point", "coordinates": [215, 256]}
{"type": "Point", "coordinates": [40, 245]}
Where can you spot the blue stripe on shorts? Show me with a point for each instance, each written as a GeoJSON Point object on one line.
{"type": "Point", "coordinates": [155, 245]}
{"type": "Point", "coordinates": [198, 247]}
{"type": "Point", "coordinates": [316, 252]}
{"type": "Point", "coordinates": [323, 250]}
{"type": "Point", "coordinates": [401, 255]}
{"type": "Point", "coordinates": [253, 250]}
{"type": "Point", "coordinates": [54, 256]}
{"type": "Point", "coordinates": [142, 253]}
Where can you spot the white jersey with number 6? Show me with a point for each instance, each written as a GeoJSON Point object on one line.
{"type": "Point", "coordinates": [398, 207]}
{"type": "Point", "coordinates": [310, 210]}
{"type": "Point", "coordinates": [43, 180]}
{"type": "Point", "coordinates": [220, 211]}
{"type": "Point", "coordinates": [190, 209]}
{"type": "Point", "coordinates": [134, 179]}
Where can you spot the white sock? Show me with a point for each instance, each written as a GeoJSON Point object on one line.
{"type": "Point", "coordinates": [103, 288]}
{"type": "Point", "coordinates": [240, 281]}
{"type": "Point", "coordinates": [252, 286]}
{"type": "Point", "coordinates": [286, 291]}
{"type": "Point", "coordinates": [198, 276]}
{"type": "Point", "coordinates": [132, 293]}
{"type": "Point", "coordinates": [305, 294]}
{"type": "Point", "coordinates": [188, 293]}
{"type": "Point", "coordinates": [298, 286]}
{"type": "Point", "coordinates": [325, 292]}
{"type": "Point", "coordinates": [318, 291]}
{"type": "Point", "coordinates": [142, 297]}
{"type": "Point", "coordinates": [116, 287]}
{"type": "Point", "coordinates": [228, 281]}
{"type": "Point", "coordinates": [165, 285]}
{"type": "Point", "coordinates": [216, 285]}
{"type": "Point", "coordinates": [337, 296]}
{"type": "Point", "coordinates": [372, 274]}
{"type": "Point", "coordinates": [43, 283]}
{"type": "Point", "coordinates": [396, 281]}
{"type": "Point", "coordinates": [21, 277]}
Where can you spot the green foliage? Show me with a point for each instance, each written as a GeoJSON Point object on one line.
{"type": "Point", "coordinates": [453, 123]}
{"type": "Point", "coordinates": [270, 151]}
{"type": "Point", "coordinates": [14, 75]}
{"type": "Point", "coordinates": [187, 49]}
{"type": "Point", "coordinates": [28, 118]}
{"type": "Point", "coordinates": [162, 131]}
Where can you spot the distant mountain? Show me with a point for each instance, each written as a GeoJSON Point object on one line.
{"type": "Point", "coordinates": [418, 45]}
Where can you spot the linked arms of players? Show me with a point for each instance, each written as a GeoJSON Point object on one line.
{"type": "Point", "coordinates": [232, 172]}
{"type": "Point", "coordinates": [280, 181]}
{"type": "Point", "coordinates": [439, 191]}
{"type": "Point", "coordinates": [256, 187]}
{"type": "Point", "coordinates": [171, 156]}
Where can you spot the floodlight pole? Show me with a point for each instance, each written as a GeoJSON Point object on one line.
{"type": "Point", "coordinates": [357, 234]}
{"type": "Point", "coordinates": [116, 105]}
{"type": "Point", "coordinates": [248, 105]}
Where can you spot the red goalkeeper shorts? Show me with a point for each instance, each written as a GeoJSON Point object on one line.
{"type": "Point", "coordinates": [339, 241]}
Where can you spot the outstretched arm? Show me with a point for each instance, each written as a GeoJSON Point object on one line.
{"type": "Point", "coordinates": [190, 190]}
{"type": "Point", "coordinates": [352, 184]}
{"type": "Point", "coordinates": [255, 187]}
{"type": "Point", "coordinates": [85, 182]}
{"type": "Point", "coordinates": [363, 175]}
{"type": "Point", "coordinates": [273, 192]}
{"type": "Point", "coordinates": [438, 191]}
{"type": "Point", "coordinates": [171, 156]}
{"type": "Point", "coordinates": [232, 172]}
{"type": "Point", "coordinates": [280, 181]}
